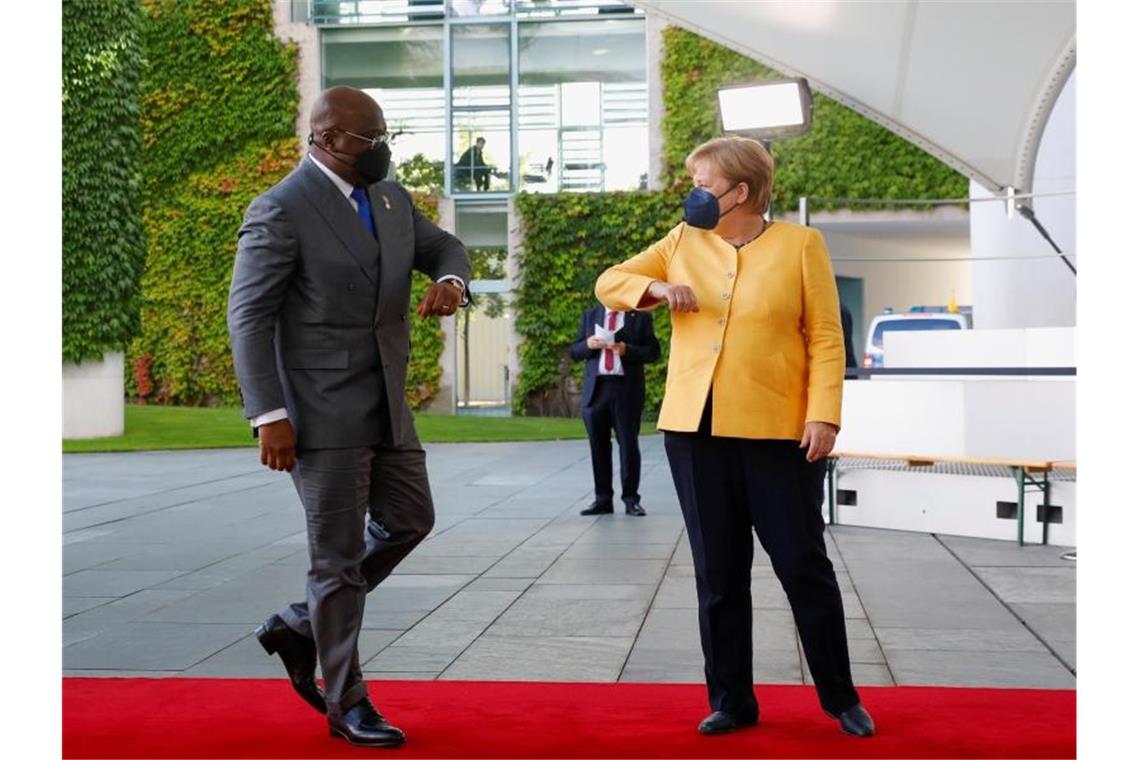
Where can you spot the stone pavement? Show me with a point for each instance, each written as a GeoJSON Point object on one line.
{"type": "Point", "coordinates": [171, 559]}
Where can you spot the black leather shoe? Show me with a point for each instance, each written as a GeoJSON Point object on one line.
{"type": "Point", "coordinates": [721, 722]}
{"type": "Point", "coordinates": [299, 655]}
{"type": "Point", "coordinates": [634, 509]}
{"type": "Point", "coordinates": [598, 509]}
{"type": "Point", "coordinates": [363, 726]}
{"type": "Point", "coordinates": [856, 721]}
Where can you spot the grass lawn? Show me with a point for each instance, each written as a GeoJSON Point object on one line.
{"type": "Point", "coordinates": [152, 428]}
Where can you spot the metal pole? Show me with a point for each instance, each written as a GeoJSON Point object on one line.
{"type": "Point", "coordinates": [1020, 475]}
{"type": "Point", "coordinates": [448, 152]}
{"type": "Point", "coordinates": [1045, 509]}
{"type": "Point", "coordinates": [467, 358]}
{"type": "Point", "coordinates": [831, 474]}
{"type": "Point", "coordinates": [805, 215]}
{"type": "Point", "coordinates": [514, 95]}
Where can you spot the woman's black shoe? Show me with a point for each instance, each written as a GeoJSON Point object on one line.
{"type": "Point", "coordinates": [721, 722]}
{"type": "Point", "coordinates": [856, 721]}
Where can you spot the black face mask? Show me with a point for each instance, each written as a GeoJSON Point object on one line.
{"type": "Point", "coordinates": [372, 164]}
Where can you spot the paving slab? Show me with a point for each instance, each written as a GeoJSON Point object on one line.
{"type": "Point", "coordinates": [1023, 670]}
{"type": "Point", "coordinates": [116, 583]}
{"type": "Point", "coordinates": [1031, 585]}
{"type": "Point", "coordinates": [151, 646]}
{"type": "Point", "coordinates": [553, 658]}
{"type": "Point", "coordinates": [618, 571]}
{"type": "Point", "coordinates": [534, 616]}
{"type": "Point", "coordinates": [978, 552]}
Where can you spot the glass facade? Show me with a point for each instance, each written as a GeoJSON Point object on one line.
{"type": "Point", "coordinates": [403, 69]}
{"type": "Point", "coordinates": [497, 96]}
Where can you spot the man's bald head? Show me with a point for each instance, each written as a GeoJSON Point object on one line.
{"type": "Point", "coordinates": [342, 122]}
{"type": "Point", "coordinates": [342, 106]}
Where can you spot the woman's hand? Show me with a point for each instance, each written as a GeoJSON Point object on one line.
{"type": "Point", "coordinates": [680, 298]}
{"type": "Point", "coordinates": [819, 440]}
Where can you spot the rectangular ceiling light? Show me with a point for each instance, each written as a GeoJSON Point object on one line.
{"type": "Point", "coordinates": [776, 108]}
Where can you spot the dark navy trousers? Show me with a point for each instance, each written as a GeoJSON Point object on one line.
{"type": "Point", "coordinates": [729, 487]}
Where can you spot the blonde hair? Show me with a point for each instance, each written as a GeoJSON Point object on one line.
{"type": "Point", "coordinates": [738, 159]}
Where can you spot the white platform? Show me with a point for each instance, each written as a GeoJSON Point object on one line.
{"type": "Point", "coordinates": [1017, 419]}
{"type": "Point", "coordinates": [962, 416]}
{"type": "Point", "coordinates": [93, 398]}
{"type": "Point", "coordinates": [962, 505]}
{"type": "Point", "coordinates": [1018, 347]}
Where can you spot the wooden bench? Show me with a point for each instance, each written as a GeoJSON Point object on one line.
{"type": "Point", "coordinates": [1029, 473]}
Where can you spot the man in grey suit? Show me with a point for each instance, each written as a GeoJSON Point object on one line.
{"type": "Point", "coordinates": [318, 320]}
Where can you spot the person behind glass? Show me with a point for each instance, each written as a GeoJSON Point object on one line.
{"type": "Point", "coordinates": [750, 413]}
{"type": "Point", "coordinates": [473, 168]}
{"type": "Point", "coordinates": [613, 397]}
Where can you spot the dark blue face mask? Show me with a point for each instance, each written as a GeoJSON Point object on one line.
{"type": "Point", "coordinates": [702, 208]}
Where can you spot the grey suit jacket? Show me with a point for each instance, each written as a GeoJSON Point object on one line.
{"type": "Point", "coordinates": [318, 309]}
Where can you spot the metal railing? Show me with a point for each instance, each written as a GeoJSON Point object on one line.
{"type": "Point", "coordinates": [378, 12]}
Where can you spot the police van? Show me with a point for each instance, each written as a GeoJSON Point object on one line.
{"type": "Point", "coordinates": [918, 318]}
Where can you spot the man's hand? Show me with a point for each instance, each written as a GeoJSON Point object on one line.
{"type": "Point", "coordinates": [278, 444]}
{"type": "Point", "coordinates": [680, 298]}
{"type": "Point", "coordinates": [441, 300]}
{"type": "Point", "coordinates": [595, 343]}
{"type": "Point", "coordinates": [819, 440]}
{"type": "Point", "coordinates": [619, 348]}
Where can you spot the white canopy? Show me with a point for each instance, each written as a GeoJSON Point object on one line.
{"type": "Point", "coordinates": [972, 83]}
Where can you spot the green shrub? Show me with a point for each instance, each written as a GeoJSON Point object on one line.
{"type": "Point", "coordinates": [424, 370]}
{"type": "Point", "coordinates": [420, 174]}
{"type": "Point", "coordinates": [571, 238]}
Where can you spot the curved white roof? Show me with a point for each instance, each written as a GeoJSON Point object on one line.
{"type": "Point", "coordinates": [972, 83]}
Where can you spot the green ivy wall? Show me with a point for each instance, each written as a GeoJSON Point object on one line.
{"type": "Point", "coordinates": [219, 103]}
{"type": "Point", "coordinates": [219, 108]}
{"type": "Point", "coordinates": [104, 245]}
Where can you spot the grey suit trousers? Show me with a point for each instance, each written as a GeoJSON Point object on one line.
{"type": "Point", "coordinates": [366, 508]}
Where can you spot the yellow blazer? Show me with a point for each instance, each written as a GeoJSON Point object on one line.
{"type": "Point", "coordinates": [767, 338]}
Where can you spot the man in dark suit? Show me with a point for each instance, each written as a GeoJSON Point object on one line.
{"type": "Point", "coordinates": [472, 168]}
{"type": "Point", "coordinates": [318, 320]}
{"type": "Point", "coordinates": [613, 397]}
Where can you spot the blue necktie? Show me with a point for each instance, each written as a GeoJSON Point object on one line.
{"type": "Point", "coordinates": [364, 209]}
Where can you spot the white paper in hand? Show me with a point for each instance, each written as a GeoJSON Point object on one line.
{"type": "Point", "coordinates": [604, 334]}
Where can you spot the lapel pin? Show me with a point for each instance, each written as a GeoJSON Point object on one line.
{"type": "Point", "coordinates": [387, 205]}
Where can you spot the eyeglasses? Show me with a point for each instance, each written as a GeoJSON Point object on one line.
{"type": "Point", "coordinates": [380, 139]}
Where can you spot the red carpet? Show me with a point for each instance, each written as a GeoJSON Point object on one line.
{"type": "Point", "coordinates": [214, 718]}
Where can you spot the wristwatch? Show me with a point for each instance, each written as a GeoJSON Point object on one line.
{"type": "Point", "coordinates": [458, 285]}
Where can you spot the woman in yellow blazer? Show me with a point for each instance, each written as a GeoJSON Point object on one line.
{"type": "Point", "coordinates": [751, 411]}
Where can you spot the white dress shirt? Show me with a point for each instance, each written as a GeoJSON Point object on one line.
{"type": "Point", "coordinates": [346, 190]}
{"type": "Point", "coordinates": [618, 324]}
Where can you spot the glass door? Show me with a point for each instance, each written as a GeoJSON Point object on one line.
{"type": "Point", "coordinates": [484, 330]}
